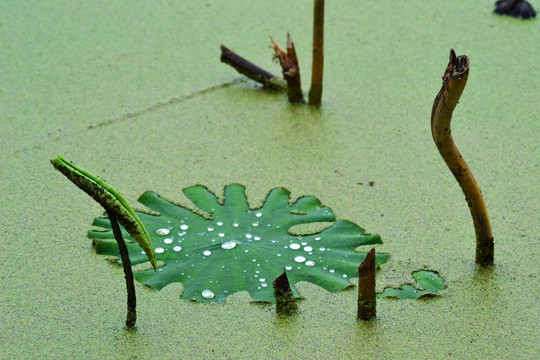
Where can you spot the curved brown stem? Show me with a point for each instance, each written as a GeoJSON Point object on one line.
{"type": "Point", "coordinates": [454, 81]}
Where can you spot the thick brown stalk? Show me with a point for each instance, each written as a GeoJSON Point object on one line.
{"type": "Point", "coordinates": [315, 92]}
{"type": "Point", "coordinates": [285, 303]}
{"type": "Point", "coordinates": [290, 68]}
{"type": "Point", "coordinates": [131, 317]}
{"type": "Point", "coordinates": [250, 70]}
{"type": "Point", "coordinates": [454, 80]}
{"type": "Point", "coordinates": [367, 302]}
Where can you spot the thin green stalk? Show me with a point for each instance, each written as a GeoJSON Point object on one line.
{"type": "Point", "coordinates": [119, 211]}
{"type": "Point", "coordinates": [315, 92]}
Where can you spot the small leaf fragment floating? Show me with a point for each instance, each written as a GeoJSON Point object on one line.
{"type": "Point", "coordinates": [429, 281]}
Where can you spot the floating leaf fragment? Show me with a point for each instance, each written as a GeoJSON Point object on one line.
{"type": "Point", "coordinates": [430, 284]}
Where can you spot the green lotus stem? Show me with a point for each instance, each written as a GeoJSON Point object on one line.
{"type": "Point", "coordinates": [118, 210]}
{"type": "Point", "coordinates": [111, 200]}
{"type": "Point", "coordinates": [315, 92]}
{"type": "Point", "coordinates": [454, 81]}
{"type": "Point", "coordinates": [131, 317]}
{"type": "Point", "coordinates": [367, 301]}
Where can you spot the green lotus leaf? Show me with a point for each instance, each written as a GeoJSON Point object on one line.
{"type": "Point", "coordinates": [430, 284]}
{"type": "Point", "coordinates": [227, 247]}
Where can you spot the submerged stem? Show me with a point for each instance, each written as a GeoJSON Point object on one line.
{"type": "Point", "coordinates": [131, 316]}
{"type": "Point", "coordinates": [454, 81]}
{"type": "Point", "coordinates": [315, 92]}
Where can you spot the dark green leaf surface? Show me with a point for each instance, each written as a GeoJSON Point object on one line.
{"type": "Point", "coordinates": [235, 248]}
{"type": "Point", "coordinates": [429, 281]}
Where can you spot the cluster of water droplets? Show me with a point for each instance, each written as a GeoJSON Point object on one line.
{"type": "Point", "coordinates": [215, 238]}
{"type": "Point", "coordinates": [170, 240]}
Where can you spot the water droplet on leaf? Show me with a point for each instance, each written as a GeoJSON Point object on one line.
{"type": "Point", "coordinates": [207, 294]}
{"type": "Point", "coordinates": [228, 245]}
{"type": "Point", "coordinates": [163, 232]}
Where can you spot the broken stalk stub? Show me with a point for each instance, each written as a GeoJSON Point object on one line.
{"type": "Point", "coordinates": [367, 302]}
{"type": "Point", "coordinates": [285, 302]}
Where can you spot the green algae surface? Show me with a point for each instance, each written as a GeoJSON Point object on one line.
{"type": "Point", "coordinates": [138, 86]}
